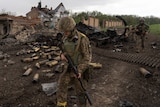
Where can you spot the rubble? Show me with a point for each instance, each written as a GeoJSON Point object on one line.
{"type": "Point", "coordinates": [49, 88]}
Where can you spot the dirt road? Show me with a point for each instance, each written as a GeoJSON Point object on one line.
{"type": "Point", "coordinates": [116, 84]}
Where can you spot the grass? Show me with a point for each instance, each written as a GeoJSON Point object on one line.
{"type": "Point", "coordinates": [155, 29]}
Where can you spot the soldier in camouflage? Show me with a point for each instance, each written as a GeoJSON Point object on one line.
{"type": "Point", "coordinates": [76, 45]}
{"type": "Point", "coordinates": [141, 32]}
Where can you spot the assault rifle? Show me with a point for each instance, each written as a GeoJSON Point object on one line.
{"type": "Point", "coordinates": [71, 64]}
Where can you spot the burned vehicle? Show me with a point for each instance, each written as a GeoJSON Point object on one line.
{"type": "Point", "coordinates": [99, 38]}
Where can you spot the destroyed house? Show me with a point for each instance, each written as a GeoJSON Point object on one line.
{"type": "Point", "coordinates": [47, 15]}
{"type": "Point", "coordinates": [59, 11]}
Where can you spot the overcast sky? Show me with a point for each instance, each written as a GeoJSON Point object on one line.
{"type": "Point", "coordinates": [140, 8]}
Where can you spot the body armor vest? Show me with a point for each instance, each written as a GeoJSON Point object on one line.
{"type": "Point", "coordinates": [70, 46]}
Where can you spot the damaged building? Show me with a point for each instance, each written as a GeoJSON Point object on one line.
{"type": "Point", "coordinates": [47, 16]}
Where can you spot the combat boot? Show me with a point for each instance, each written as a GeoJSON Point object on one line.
{"type": "Point", "coordinates": [61, 104]}
{"type": "Point", "coordinates": [137, 51]}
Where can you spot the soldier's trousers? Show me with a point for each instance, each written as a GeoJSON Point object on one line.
{"type": "Point", "coordinates": [140, 42]}
{"type": "Point", "coordinates": [66, 79]}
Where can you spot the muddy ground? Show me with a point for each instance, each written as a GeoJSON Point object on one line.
{"type": "Point", "coordinates": [116, 84]}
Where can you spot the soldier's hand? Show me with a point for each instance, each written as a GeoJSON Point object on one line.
{"type": "Point", "coordinates": [63, 58]}
{"type": "Point", "coordinates": [146, 33]}
{"type": "Point", "coordinates": [79, 75]}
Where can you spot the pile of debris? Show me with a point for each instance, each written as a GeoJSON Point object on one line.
{"type": "Point", "coordinates": [99, 38]}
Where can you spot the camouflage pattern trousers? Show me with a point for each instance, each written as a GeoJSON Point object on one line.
{"type": "Point", "coordinates": [66, 79]}
{"type": "Point", "coordinates": [140, 42]}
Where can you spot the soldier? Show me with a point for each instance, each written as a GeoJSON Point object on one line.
{"type": "Point", "coordinates": [132, 33]}
{"type": "Point", "coordinates": [76, 45]}
{"type": "Point", "coordinates": [141, 32]}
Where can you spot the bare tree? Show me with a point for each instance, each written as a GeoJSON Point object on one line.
{"type": "Point", "coordinates": [4, 12]}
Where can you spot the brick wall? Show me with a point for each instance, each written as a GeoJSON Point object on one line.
{"type": "Point", "coordinates": [112, 23]}
{"type": "Point", "coordinates": [94, 22]}
{"type": "Point", "coordinates": [33, 14]}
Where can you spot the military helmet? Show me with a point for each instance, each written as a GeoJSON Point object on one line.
{"type": "Point", "coordinates": [66, 24]}
{"type": "Point", "coordinates": [141, 20]}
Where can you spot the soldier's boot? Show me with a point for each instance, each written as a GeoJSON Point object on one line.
{"type": "Point", "coordinates": [61, 104]}
{"type": "Point", "coordinates": [137, 51]}
{"type": "Point", "coordinates": [143, 49]}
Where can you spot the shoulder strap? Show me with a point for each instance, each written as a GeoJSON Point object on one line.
{"type": "Point", "coordinates": [80, 35]}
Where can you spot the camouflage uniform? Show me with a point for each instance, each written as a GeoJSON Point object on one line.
{"type": "Point", "coordinates": [77, 46]}
{"type": "Point", "coordinates": [141, 31]}
{"type": "Point", "coordinates": [132, 33]}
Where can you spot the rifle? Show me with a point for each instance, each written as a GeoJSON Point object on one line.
{"type": "Point", "coordinates": [71, 64]}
